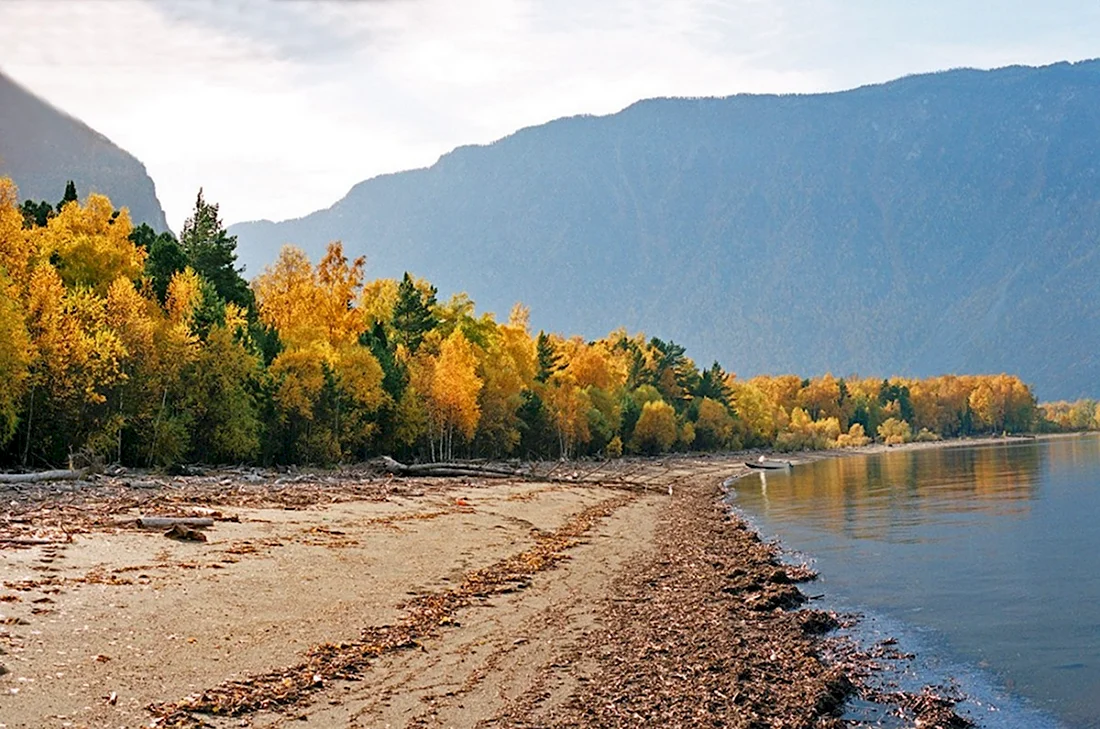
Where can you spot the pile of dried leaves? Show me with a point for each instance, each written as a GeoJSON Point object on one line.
{"type": "Point", "coordinates": [702, 635]}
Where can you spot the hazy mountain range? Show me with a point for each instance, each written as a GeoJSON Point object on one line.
{"type": "Point", "coordinates": [42, 148]}
{"type": "Point", "coordinates": [937, 223]}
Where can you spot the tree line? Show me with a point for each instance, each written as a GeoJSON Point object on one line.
{"type": "Point", "coordinates": [122, 344]}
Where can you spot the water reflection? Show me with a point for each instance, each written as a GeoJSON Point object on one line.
{"type": "Point", "coordinates": [879, 497]}
{"type": "Point", "coordinates": [990, 551]}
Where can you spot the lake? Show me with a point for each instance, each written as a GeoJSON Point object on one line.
{"type": "Point", "coordinates": [984, 559]}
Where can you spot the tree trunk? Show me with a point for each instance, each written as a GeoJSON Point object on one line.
{"type": "Point", "coordinates": [30, 425]}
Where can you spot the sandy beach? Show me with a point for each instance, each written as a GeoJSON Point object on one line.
{"type": "Point", "coordinates": [614, 595]}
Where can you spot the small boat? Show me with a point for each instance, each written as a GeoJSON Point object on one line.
{"type": "Point", "coordinates": [765, 465]}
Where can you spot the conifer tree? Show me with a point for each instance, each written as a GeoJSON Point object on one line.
{"type": "Point", "coordinates": [36, 214]}
{"type": "Point", "coordinates": [413, 314]}
{"type": "Point", "coordinates": [70, 196]}
{"type": "Point", "coordinates": [212, 253]}
{"type": "Point", "coordinates": [164, 260]}
{"type": "Point", "coordinates": [549, 359]}
{"type": "Point", "coordinates": [713, 384]}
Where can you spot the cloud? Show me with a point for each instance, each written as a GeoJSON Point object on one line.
{"type": "Point", "coordinates": [277, 107]}
{"type": "Point", "coordinates": [312, 31]}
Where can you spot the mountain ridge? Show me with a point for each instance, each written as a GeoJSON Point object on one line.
{"type": "Point", "coordinates": [939, 222]}
{"type": "Point", "coordinates": [42, 147]}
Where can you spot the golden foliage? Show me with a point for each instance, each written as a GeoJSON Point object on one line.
{"type": "Point", "coordinates": [377, 301]}
{"type": "Point", "coordinates": [286, 295]}
{"type": "Point", "coordinates": [507, 366]}
{"type": "Point", "coordinates": [184, 296]}
{"type": "Point", "coordinates": [856, 437]}
{"type": "Point", "coordinates": [300, 375]}
{"type": "Point", "coordinates": [894, 431]}
{"type": "Point", "coordinates": [455, 386]}
{"type": "Point", "coordinates": [821, 397]}
{"type": "Point", "coordinates": [17, 250]}
{"type": "Point", "coordinates": [87, 352]}
{"type": "Point", "coordinates": [568, 405]}
{"type": "Point", "coordinates": [656, 430]}
{"type": "Point", "coordinates": [307, 305]}
{"type": "Point", "coordinates": [805, 433]}
{"type": "Point", "coordinates": [15, 358]}
{"type": "Point", "coordinates": [714, 425]}
{"type": "Point", "coordinates": [92, 244]}
{"type": "Point", "coordinates": [338, 283]}
{"type": "Point", "coordinates": [592, 365]}
{"type": "Point", "coordinates": [360, 377]}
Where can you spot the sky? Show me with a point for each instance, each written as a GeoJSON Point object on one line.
{"type": "Point", "coordinates": [277, 107]}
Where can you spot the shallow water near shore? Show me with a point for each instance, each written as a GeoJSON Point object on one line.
{"type": "Point", "coordinates": [983, 560]}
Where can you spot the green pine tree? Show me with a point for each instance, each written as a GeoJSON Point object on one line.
{"type": "Point", "coordinates": [164, 257]}
{"type": "Point", "coordinates": [36, 214]}
{"type": "Point", "coordinates": [414, 313]}
{"type": "Point", "coordinates": [70, 195]}
{"type": "Point", "coordinates": [212, 253]}
{"type": "Point", "coordinates": [548, 358]}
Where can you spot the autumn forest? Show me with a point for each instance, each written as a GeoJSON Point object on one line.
{"type": "Point", "coordinates": [121, 344]}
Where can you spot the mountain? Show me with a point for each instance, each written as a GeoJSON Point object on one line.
{"type": "Point", "coordinates": [936, 223]}
{"type": "Point", "coordinates": [42, 148]}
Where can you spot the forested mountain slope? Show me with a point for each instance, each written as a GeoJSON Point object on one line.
{"type": "Point", "coordinates": [42, 148]}
{"type": "Point", "coordinates": [945, 222]}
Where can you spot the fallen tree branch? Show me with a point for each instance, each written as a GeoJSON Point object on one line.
{"type": "Point", "coordinates": [61, 475]}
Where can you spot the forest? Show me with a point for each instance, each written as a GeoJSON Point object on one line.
{"type": "Point", "coordinates": [120, 344]}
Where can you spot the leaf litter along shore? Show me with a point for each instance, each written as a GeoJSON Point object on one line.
{"type": "Point", "coordinates": [703, 630]}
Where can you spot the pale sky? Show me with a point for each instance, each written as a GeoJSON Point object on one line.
{"type": "Point", "coordinates": [277, 107]}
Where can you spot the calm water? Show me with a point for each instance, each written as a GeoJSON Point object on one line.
{"type": "Point", "coordinates": [985, 560]}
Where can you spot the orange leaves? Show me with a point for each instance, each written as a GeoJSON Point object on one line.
{"type": "Point", "coordinates": [443, 393]}
{"type": "Point", "coordinates": [308, 305]}
{"type": "Point", "coordinates": [592, 365]}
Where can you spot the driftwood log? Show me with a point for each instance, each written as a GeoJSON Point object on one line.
{"type": "Point", "coordinates": [450, 469]}
{"type": "Point", "coordinates": [160, 522]}
{"type": "Point", "coordinates": [475, 470]}
{"type": "Point", "coordinates": [63, 475]}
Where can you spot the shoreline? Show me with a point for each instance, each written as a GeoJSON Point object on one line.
{"type": "Point", "coordinates": [357, 599]}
